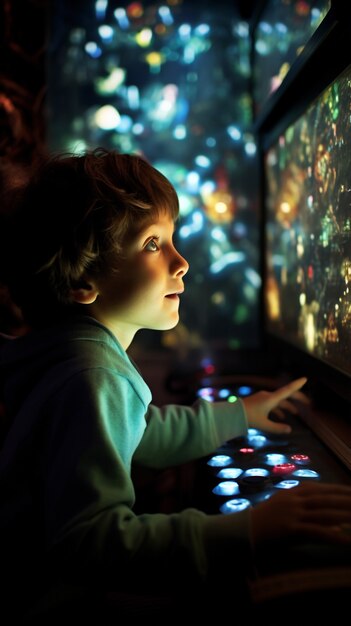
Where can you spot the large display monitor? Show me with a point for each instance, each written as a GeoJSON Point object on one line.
{"type": "Point", "coordinates": [305, 154]}
{"type": "Point", "coordinates": [308, 229]}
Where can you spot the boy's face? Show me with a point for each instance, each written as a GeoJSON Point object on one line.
{"type": "Point", "coordinates": [143, 293]}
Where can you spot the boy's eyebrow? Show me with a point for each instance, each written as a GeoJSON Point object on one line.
{"type": "Point", "coordinates": [149, 226]}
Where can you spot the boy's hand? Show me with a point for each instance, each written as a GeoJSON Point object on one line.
{"type": "Point", "coordinates": [259, 405]}
{"type": "Point", "coordinates": [317, 511]}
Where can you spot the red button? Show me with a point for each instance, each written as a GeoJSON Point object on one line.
{"type": "Point", "coordinates": [284, 468]}
{"type": "Point", "coordinates": [301, 459]}
{"type": "Point", "coordinates": [247, 450]}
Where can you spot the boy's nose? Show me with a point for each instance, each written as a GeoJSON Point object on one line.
{"type": "Point", "coordinates": [181, 265]}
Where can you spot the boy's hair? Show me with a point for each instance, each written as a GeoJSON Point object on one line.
{"type": "Point", "coordinates": [73, 218]}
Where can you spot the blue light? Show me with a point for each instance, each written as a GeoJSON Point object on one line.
{"type": "Point", "coordinates": [202, 30]}
{"type": "Point", "coordinates": [253, 277]}
{"type": "Point", "coordinates": [262, 47]}
{"type": "Point", "coordinates": [230, 472]}
{"type": "Point", "coordinates": [207, 188]}
{"type": "Point", "coordinates": [275, 459]}
{"type": "Point", "coordinates": [179, 132]}
{"type": "Point", "coordinates": [265, 27]}
{"type": "Point", "coordinates": [220, 460]}
{"type": "Point", "coordinates": [93, 49]}
{"type": "Point", "coordinates": [253, 431]}
{"type": "Point", "coordinates": [229, 258]}
{"type": "Point", "coordinates": [206, 361]}
{"type": "Point", "coordinates": [217, 234]}
{"type": "Point", "coordinates": [281, 28]}
{"type": "Point", "coordinates": [193, 180]}
{"type": "Point", "coordinates": [256, 471]}
{"type": "Point", "coordinates": [106, 32]}
{"type": "Point", "coordinates": [121, 18]}
{"type": "Point", "coordinates": [211, 142]}
{"type": "Point", "coordinates": [205, 391]}
{"type": "Point", "coordinates": [287, 484]}
{"type": "Point", "coordinates": [184, 31]}
{"type": "Point", "coordinates": [133, 97]}
{"type": "Point", "coordinates": [202, 161]}
{"type": "Point", "coordinates": [234, 132]}
{"type": "Point", "coordinates": [250, 148]}
{"type": "Point", "coordinates": [138, 128]}
{"type": "Point", "coordinates": [125, 124]}
{"type": "Point", "coordinates": [226, 488]}
{"type": "Point", "coordinates": [306, 473]}
{"type": "Point", "coordinates": [165, 15]}
{"type": "Point", "coordinates": [100, 9]}
{"type": "Point", "coordinates": [184, 232]}
{"type": "Point", "coordinates": [223, 393]}
{"type": "Point", "coordinates": [242, 29]}
{"type": "Point", "coordinates": [244, 390]}
{"type": "Point", "coordinates": [234, 506]}
{"type": "Point", "coordinates": [195, 226]}
{"type": "Point", "coordinates": [257, 441]}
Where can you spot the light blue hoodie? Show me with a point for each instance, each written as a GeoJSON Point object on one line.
{"type": "Point", "coordinates": [79, 415]}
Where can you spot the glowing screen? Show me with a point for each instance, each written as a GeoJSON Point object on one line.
{"type": "Point", "coordinates": [308, 229]}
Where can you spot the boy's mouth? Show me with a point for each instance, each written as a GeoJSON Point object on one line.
{"type": "Point", "coordinates": [175, 295]}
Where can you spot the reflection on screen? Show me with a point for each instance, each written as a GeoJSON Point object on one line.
{"type": "Point", "coordinates": [282, 32]}
{"type": "Point", "coordinates": [308, 230]}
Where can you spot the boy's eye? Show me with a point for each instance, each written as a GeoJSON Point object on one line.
{"type": "Point", "coordinates": [152, 245]}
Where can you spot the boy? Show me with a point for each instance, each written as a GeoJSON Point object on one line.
{"type": "Point", "coordinates": [89, 259]}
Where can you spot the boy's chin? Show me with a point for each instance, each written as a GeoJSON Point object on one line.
{"type": "Point", "coordinates": [171, 325]}
{"type": "Point", "coordinates": [167, 325]}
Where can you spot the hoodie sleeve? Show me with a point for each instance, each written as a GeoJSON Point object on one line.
{"type": "Point", "coordinates": [89, 496]}
{"type": "Point", "coordinates": [177, 434]}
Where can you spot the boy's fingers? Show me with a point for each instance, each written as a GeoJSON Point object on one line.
{"type": "Point", "coordinates": [301, 397]}
{"type": "Point", "coordinates": [289, 389]}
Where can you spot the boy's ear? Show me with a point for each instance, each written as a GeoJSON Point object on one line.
{"type": "Point", "coordinates": [85, 293]}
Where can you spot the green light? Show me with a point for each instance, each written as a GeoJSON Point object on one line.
{"type": "Point", "coordinates": [232, 398]}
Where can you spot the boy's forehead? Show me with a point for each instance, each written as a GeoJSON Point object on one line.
{"type": "Point", "coordinates": [156, 219]}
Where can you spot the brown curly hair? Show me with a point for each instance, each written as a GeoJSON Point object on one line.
{"type": "Point", "coordinates": [73, 218]}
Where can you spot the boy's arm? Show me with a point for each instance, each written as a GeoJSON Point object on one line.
{"type": "Point", "coordinates": [177, 434]}
{"type": "Point", "coordinates": [92, 529]}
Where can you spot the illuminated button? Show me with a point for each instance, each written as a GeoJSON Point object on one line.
{"type": "Point", "coordinates": [226, 488]}
{"type": "Point", "coordinates": [223, 393]}
{"type": "Point", "coordinates": [234, 506]}
{"type": "Point", "coordinates": [253, 431]}
{"type": "Point", "coordinates": [300, 459]}
{"type": "Point", "coordinates": [287, 484]}
{"type": "Point", "coordinates": [306, 473]}
{"type": "Point", "coordinates": [246, 450]}
{"type": "Point", "coordinates": [230, 472]}
{"type": "Point", "coordinates": [257, 440]}
{"type": "Point", "coordinates": [206, 393]}
{"type": "Point", "coordinates": [256, 471]}
{"type": "Point", "coordinates": [273, 458]}
{"type": "Point", "coordinates": [231, 399]}
{"type": "Point", "coordinates": [220, 460]}
{"type": "Point", "coordinates": [284, 468]}
{"type": "Point", "coordinates": [244, 390]}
